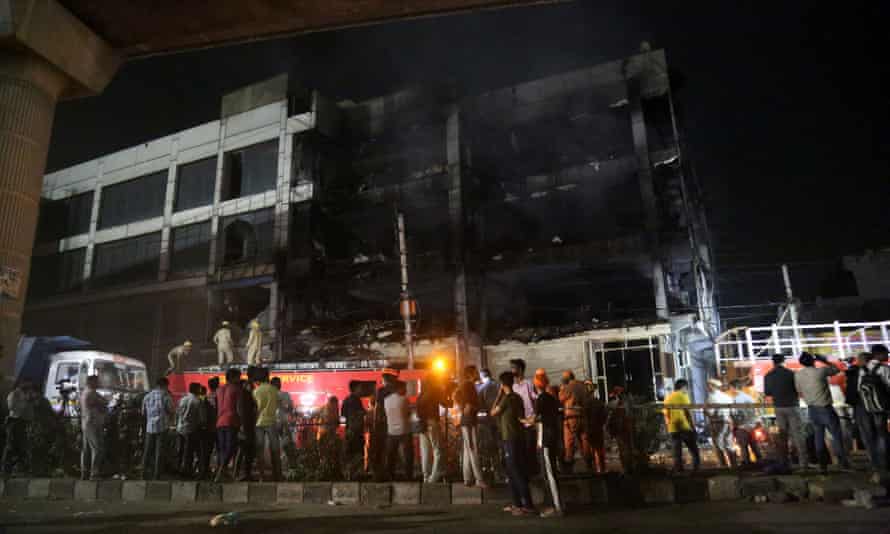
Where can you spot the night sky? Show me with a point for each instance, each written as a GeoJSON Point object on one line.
{"type": "Point", "coordinates": [782, 104]}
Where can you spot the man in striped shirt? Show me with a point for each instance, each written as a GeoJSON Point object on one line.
{"type": "Point", "coordinates": [157, 407]}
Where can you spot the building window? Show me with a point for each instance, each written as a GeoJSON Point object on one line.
{"type": "Point", "coordinates": [247, 237]}
{"type": "Point", "coordinates": [134, 200]}
{"type": "Point", "coordinates": [135, 259]}
{"type": "Point", "coordinates": [71, 269]}
{"type": "Point", "coordinates": [250, 170]}
{"type": "Point", "coordinates": [195, 183]}
{"type": "Point", "coordinates": [191, 248]}
{"type": "Point", "coordinates": [57, 273]}
{"type": "Point", "coordinates": [65, 217]}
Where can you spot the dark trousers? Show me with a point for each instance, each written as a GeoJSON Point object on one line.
{"type": "Point", "coordinates": [517, 473]}
{"type": "Point", "coordinates": [151, 456]}
{"type": "Point", "coordinates": [208, 440]}
{"type": "Point", "coordinates": [15, 451]}
{"type": "Point", "coordinates": [822, 418]}
{"type": "Point", "coordinates": [873, 432]}
{"type": "Point", "coordinates": [395, 444]}
{"type": "Point", "coordinates": [227, 446]}
{"type": "Point", "coordinates": [547, 458]}
{"type": "Point", "coordinates": [688, 438]}
{"type": "Point", "coordinates": [530, 450]}
{"type": "Point", "coordinates": [189, 445]}
{"type": "Point", "coordinates": [247, 452]}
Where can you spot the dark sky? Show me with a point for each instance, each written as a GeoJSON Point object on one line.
{"type": "Point", "coordinates": [783, 106]}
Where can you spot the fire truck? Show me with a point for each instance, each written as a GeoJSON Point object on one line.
{"type": "Point", "coordinates": [310, 384]}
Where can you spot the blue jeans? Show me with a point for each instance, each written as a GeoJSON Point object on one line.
{"type": "Point", "coordinates": [514, 461]}
{"type": "Point", "coordinates": [824, 417]}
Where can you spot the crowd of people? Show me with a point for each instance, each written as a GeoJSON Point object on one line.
{"type": "Point", "coordinates": [511, 427]}
{"type": "Point", "coordinates": [733, 417]}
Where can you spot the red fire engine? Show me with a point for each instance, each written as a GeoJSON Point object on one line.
{"type": "Point", "coordinates": [310, 384]}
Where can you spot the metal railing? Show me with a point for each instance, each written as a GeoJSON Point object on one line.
{"type": "Point", "coordinates": [840, 339]}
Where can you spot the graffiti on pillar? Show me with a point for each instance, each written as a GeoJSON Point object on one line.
{"type": "Point", "coordinates": [10, 281]}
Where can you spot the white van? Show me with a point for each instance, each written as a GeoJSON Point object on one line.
{"type": "Point", "coordinates": [67, 372]}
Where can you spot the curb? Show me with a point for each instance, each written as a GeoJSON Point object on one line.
{"type": "Point", "coordinates": [609, 489]}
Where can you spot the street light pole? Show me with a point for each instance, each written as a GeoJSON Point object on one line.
{"type": "Point", "coordinates": [405, 303]}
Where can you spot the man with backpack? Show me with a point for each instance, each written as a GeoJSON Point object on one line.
{"type": "Point", "coordinates": [874, 395]}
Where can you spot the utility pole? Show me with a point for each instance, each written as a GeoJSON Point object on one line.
{"type": "Point", "coordinates": [792, 307]}
{"type": "Point", "coordinates": [406, 305]}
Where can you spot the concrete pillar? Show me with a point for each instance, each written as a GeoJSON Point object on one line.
{"type": "Point", "coordinates": [456, 213]}
{"type": "Point", "coordinates": [45, 54]}
{"type": "Point", "coordinates": [647, 192]}
{"type": "Point", "coordinates": [29, 87]}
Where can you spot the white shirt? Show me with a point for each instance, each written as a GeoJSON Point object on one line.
{"type": "Point", "coordinates": [398, 421]}
{"type": "Point", "coordinates": [719, 397]}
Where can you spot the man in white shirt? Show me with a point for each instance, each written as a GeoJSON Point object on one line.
{"type": "Point", "coordinates": [720, 423]}
{"type": "Point", "coordinates": [744, 420]}
{"type": "Point", "coordinates": [526, 391]}
{"type": "Point", "coordinates": [398, 431]}
{"type": "Point", "coordinates": [93, 411]}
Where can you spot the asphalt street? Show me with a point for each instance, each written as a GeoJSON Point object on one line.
{"type": "Point", "coordinates": [33, 517]}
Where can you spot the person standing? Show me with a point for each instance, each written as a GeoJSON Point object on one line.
{"type": "Point", "coordinates": [267, 402]}
{"type": "Point", "coordinates": [874, 394]}
{"type": "Point", "coordinates": [228, 400]}
{"type": "Point", "coordinates": [595, 416]}
{"type": "Point", "coordinates": [247, 413]}
{"type": "Point", "coordinates": [489, 455]}
{"type": "Point", "coordinates": [720, 423]}
{"type": "Point", "coordinates": [547, 419]}
{"type": "Point", "coordinates": [398, 432]}
{"type": "Point", "coordinates": [620, 425]}
{"type": "Point", "coordinates": [207, 432]}
{"type": "Point", "coordinates": [224, 345]}
{"type": "Point", "coordinates": [285, 409]}
{"type": "Point", "coordinates": [20, 414]}
{"type": "Point", "coordinates": [254, 345]}
{"type": "Point", "coordinates": [330, 419]}
{"type": "Point", "coordinates": [466, 403]}
{"type": "Point", "coordinates": [176, 355]}
{"type": "Point", "coordinates": [188, 429]}
{"type": "Point", "coordinates": [778, 385]}
{"type": "Point", "coordinates": [353, 412]}
{"type": "Point", "coordinates": [94, 409]}
{"type": "Point", "coordinates": [743, 423]}
{"type": "Point", "coordinates": [572, 395]}
{"type": "Point", "coordinates": [526, 392]}
{"type": "Point", "coordinates": [679, 425]}
{"type": "Point", "coordinates": [812, 384]}
{"type": "Point", "coordinates": [509, 410]}
{"type": "Point", "coordinates": [157, 407]}
{"type": "Point", "coordinates": [377, 441]}
{"type": "Point", "coordinates": [430, 401]}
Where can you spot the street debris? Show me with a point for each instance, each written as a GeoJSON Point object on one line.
{"type": "Point", "coordinates": [229, 519]}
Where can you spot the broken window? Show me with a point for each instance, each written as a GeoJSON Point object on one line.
{"type": "Point", "coordinates": [195, 183]}
{"type": "Point", "coordinates": [248, 236]}
{"type": "Point", "coordinates": [134, 200]}
{"type": "Point", "coordinates": [250, 170]}
{"type": "Point", "coordinates": [134, 259]}
{"type": "Point", "coordinates": [190, 247]}
{"type": "Point", "coordinates": [65, 217]}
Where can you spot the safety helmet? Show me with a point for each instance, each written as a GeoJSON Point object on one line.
{"type": "Point", "coordinates": [225, 323]}
{"type": "Point", "coordinates": [187, 343]}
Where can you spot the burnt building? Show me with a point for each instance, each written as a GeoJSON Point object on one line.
{"type": "Point", "coordinates": [539, 210]}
